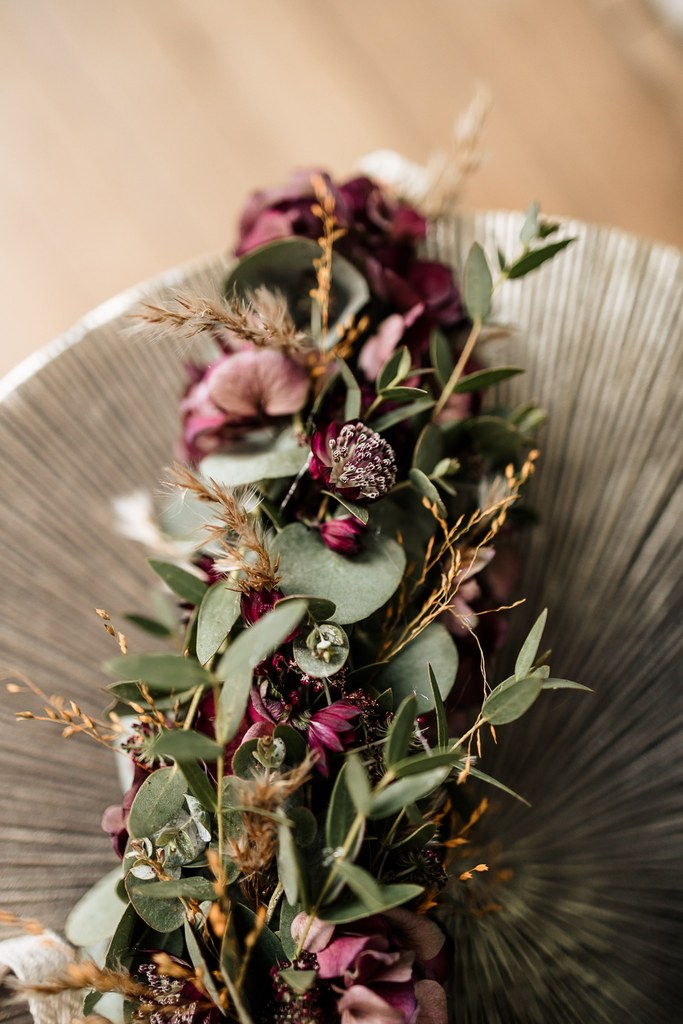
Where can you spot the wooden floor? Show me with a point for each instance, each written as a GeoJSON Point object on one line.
{"type": "Point", "coordinates": [131, 130]}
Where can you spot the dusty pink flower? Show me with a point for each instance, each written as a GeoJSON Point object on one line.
{"type": "Point", "coordinates": [353, 461]}
{"type": "Point", "coordinates": [384, 969]}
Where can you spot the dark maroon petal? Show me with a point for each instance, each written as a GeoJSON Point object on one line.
{"type": "Point", "coordinates": [343, 534]}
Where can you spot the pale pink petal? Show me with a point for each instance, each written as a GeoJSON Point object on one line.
{"type": "Point", "coordinates": [318, 935]}
{"type": "Point", "coordinates": [338, 957]}
{"type": "Point", "coordinates": [360, 1005]}
{"type": "Point", "coordinates": [381, 346]}
{"type": "Point", "coordinates": [257, 382]}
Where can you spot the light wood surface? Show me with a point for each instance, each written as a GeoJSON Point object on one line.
{"type": "Point", "coordinates": [132, 130]}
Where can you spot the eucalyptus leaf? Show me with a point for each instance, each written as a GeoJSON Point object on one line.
{"type": "Point", "coordinates": [299, 981]}
{"type": "Point", "coordinates": [353, 402]}
{"type": "Point", "coordinates": [121, 949]}
{"type": "Point", "coordinates": [237, 665]}
{"type": "Point", "coordinates": [482, 379]}
{"type": "Point", "coordinates": [97, 913]}
{"type": "Point", "coordinates": [441, 356]}
{"type": "Point", "coordinates": [402, 394]}
{"type": "Point", "coordinates": [529, 649]}
{"type": "Point", "coordinates": [341, 814]}
{"type": "Point", "coordinates": [164, 673]}
{"type": "Point", "coordinates": [347, 910]}
{"type": "Point", "coordinates": [563, 684]}
{"type": "Point", "coordinates": [428, 449]}
{"type": "Point", "coordinates": [295, 744]}
{"type": "Point", "coordinates": [218, 613]}
{"type": "Point", "coordinates": [183, 583]}
{"type": "Point", "coordinates": [401, 731]}
{"type": "Point", "coordinates": [261, 458]}
{"type": "Point", "coordinates": [406, 791]}
{"type": "Point", "coordinates": [199, 783]}
{"type": "Point", "coordinates": [525, 264]}
{"type": "Point", "coordinates": [408, 671]}
{"type": "Point", "coordinates": [395, 369]}
{"type": "Point", "coordinates": [303, 825]}
{"type": "Point", "coordinates": [288, 863]}
{"type": "Point", "coordinates": [160, 796]}
{"type": "Point", "coordinates": [529, 229]}
{"type": "Point", "coordinates": [403, 412]}
{"type": "Point", "coordinates": [511, 699]}
{"type": "Point", "coordinates": [161, 915]}
{"type": "Point", "coordinates": [358, 511]}
{"type": "Point", "coordinates": [358, 586]}
{"type": "Point", "coordinates": [199, 962]}
{"type": "Point", "coordinates": [438, 757]}
{"type": "Point", "coordinates": [358, 784]}
{"type": "Point", "coordinates": [186, 745]}
{"type": "Point", "coordinates": [476, 773]}
{"type": "Point", "coordinates": [440, 710]}
{"type": "Point", "coordinates": [478, 284]}
{"type": "Point", "coordinates": [417, 839]}
{"type": "Point", "coordinates": [319, 609]}
{"type": "Point", "coordinates": [426, 488]}
{"type": "Point", "coordinates": [191, 887]}
{"type": "Point", "coordinates": [151, 626]}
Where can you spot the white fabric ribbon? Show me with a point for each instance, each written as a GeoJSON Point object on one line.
{"type": "Point", "coordinates": [37, 960]}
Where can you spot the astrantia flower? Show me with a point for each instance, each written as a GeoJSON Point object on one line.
{"type": "Point", "coordinates": [353, 461]}
{"type": "Point", "coordinates": [385, 969]}
{"type": "Point", "coordinates": [342, 534]}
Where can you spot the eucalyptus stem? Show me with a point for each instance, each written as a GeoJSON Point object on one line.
{"type": "Point", "coordinates": [192, 710]}
{"type": "Point", "coordinates": [458, 368]}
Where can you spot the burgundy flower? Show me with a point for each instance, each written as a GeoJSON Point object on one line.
{"type": "Point", "coordinates": [239, 391]}
{"type": "Point", "coordinates": [331, 728]}
{"type": "Point", "coordinates": [343, 534]}
{"type": "Point", "coordinates": [258, 603]}
{"type": "Point", "coordinates": [385, 969]}
{"type": "Point", "coordinates": [353, 461]}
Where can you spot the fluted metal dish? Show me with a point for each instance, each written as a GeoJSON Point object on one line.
{"type": "Point", "coordinates": [589, 923]}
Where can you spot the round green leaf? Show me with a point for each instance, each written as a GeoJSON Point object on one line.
{"type": "Point", "coordinates": [408, 672]}
{"type": "Point", "coordinates": [264, 458]}
{"type": "Point", "coordinates": [161, 915]}
{"type": "Point", "coordinates": [358, 586]}
{"type": "Point", "coordinates": [160, 796]}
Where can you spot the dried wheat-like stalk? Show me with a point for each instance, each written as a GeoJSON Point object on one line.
{"type": "Point", "coordinates": [241, 536]}
{"type": "Point", "coordinates": [263, 319]}
{"type": "Point", "coordinates": [325, 209]}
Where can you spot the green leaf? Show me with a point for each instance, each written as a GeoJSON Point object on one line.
{"type": "Point", "coordinates": [358, 784]}
{"type": "Point", "coordinates": [200, 785]}
{"type": "Point", "coordinates": [192, 887]}
{"type": "Point", "coordinates": [417, 839]}
{"type": "Point", "coordinates": [439, 708]}
{"type": "Point", "coordinates": [164, 673]}
{"type": "Point", "coordinates": [358, 511]}
{"type": "Point", "coordinates": [534, 259]}
{"type": "Point", "coordinates": [199, 962]}
{"type": "Point", "coordinates": [563, 684]}
{"type": "Point", "coordinates": [429, 449]}
{"type": "Point", "coordinates": [399, 394]}
{"type": "Point", "coordinates": [401, 731]}
{"type": "Point", "coordinates": [495, 437]}
{"type": "Point", "coordinates": [345, 911]}
{"type": "Point", "coordinates": [289, 870]}
{"type": "Point", "coordinates": [218, 613]}
{"type": "Point", "coordinates": [121, 949]}
{"type": "Point", "coordinates": [286, 265]}
{"type": "Point", "coordinates": [97, 913]}
{"type": "Point", "coordinates": [406, 791]}
{"type": "Point", "coordinates": [358, 586]}
{"type": "Point", "coordinates": [161, 915]}
{"type": "Point", "coordinates": [255, 459]}
{"type": "Point", "coordinates": [395, 369]}
{"type": "Point", "coordinates": [363, 885]}
{"type": "Point", "coordinates": [150, 626]}
{"type": "Point", "coordinates": [482, 379]}
{"type": "Point", "coordinates": [186, 745]}
{"type": "Point", "coordinates": [237, 665]}
{"type": "Point", "coordinates": [478, 285]}
{"type": "Point", "coordinates": [352, 404]}
{"type": "Point", "coordinates": [299, 981]}
{"type": "Point", "coordinates": [441, 357]}
{"type": "Point", "coordinates": [439, 757]}
{"type": "Point", "coordinates": [160, 796]}
{"type": "Point", "coordinates": [529, 650]}
{"type": "Point", "coordinates": [244, 764]}
{"type": "Point", "coordinates": [319, 609]}
{"type": "Point", "coordinates": [529, 229]}
{"type": "Point", "coordinates": [183, 583]}
{"type": "Point", "coordinates": [341, 814]}
{"type": "Point", "coordinates": [424, 486]}
{"type": "Point", "coordinates": [404, 412]}
{"type": "Point", "coordinates": [303, 824]}
{"type": "Point", "coordinates": [489, 780]}
{"type": "Point", "coordinates": [295, 744]}
{"type": "Point", "coordinates": [511, 699]}
{"type": "Point", "coordinates": [408, 671]}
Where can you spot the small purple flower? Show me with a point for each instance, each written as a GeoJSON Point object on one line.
{"type": "Point", "coordinates": [353, 461]}
{"type": "Point", "coordinates": [343, 534]}
{"type": "Point", "coordinates": [331, 728]}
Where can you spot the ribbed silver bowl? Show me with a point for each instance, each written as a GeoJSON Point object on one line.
{"type": "Point", "coordinates": [590, 917]}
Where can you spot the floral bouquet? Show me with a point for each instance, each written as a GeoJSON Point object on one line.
{"type": "Point", "coordinates": [338, 548]}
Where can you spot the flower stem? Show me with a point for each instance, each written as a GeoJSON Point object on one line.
{"type": "Point", "coordinates": [459, 367]}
